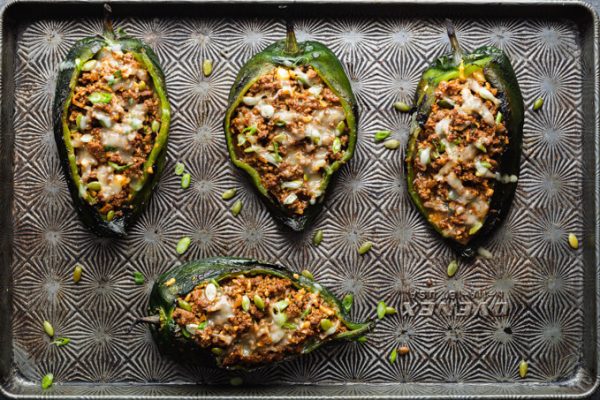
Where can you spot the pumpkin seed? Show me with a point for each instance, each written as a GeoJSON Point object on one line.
{"type": "Point", "coordinates": [259, 302]}
{"type": "Point", "coordinates": [382, 135]}
{"type": "Point", "coordinates": [573, 242]}
{"type": "Point", "coordinates": [538, 104]}
{"type": "Point", "coordinates": [183, 245]}
{"type": "Point", "coordinates": [207, 67]}
{"type": "Point", "coordinates": [48, 328]}
{"type": "Point", "coordinates": [228, 194]}
{"type": "Point", "coordinates": [77, 273]}
{"type": "Point", "coordinates": [184, 305]}
{"type": "Point", "coordinates": [452, 268]}
{"type": "Point", "coordinates": [402, 106]}
{"type": "Point", "coordinates": [391, 144]}
{"type": "Point", "coordinates": [365, 248]}
{"type": "Point", "coordinates": [307, 274]}
{"type": "Point", "coordinates": [318, 237]}
{"type": "Point", "coordinates": [381, 309]}
{"type": "Point", "coordinates": [245, 303]}
{"type": "Point", "coordinates": [236, 208]}
{"type": "Point", "coordinates": [523, 368]}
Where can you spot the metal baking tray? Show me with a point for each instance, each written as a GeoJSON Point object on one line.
{"type": "Point", "coordinates": [536, 299]}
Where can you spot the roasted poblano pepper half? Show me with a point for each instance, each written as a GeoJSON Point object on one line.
{"type": "Point", "coordinates": [111, 121]}
{"type": "Point", "coordinates": [243, 314]}
{"type": "Point", "coordinates": [463, 154]}
{"type": "Point", "coordinates": [290, 124]}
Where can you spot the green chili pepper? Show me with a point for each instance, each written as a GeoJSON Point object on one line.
{"type": "Point", "coordinates": [347, 302]}
{"type": "Point", "coordinates": [289, 53]}
{"type": "Point", "coordinates": [183, 245]}
{"type": "Point", "coordinates": [494, 65]}
{"type": "Point", "coordinates": [47, 381]}
{"type": "Point", "coordinates": [86, 51]}
{"type": "Point", "coordinates": [189, 276]}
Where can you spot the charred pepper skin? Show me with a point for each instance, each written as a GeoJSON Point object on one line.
{"type": "Point", "coordinates": [499, 72]}
{"type": "Point", "coordinates": [69, 72]}
{"type": "Point", "coordinates": [288, 53]}
{"type": "Point", "coordinates": [183, 279]}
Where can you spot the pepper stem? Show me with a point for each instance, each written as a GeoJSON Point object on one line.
{"type": "Point", "coordinates": [456, 50]}
{"type": "Point", "coordinates": [291, 45]}
{"type": "Point", "coordinates": [109, 31]}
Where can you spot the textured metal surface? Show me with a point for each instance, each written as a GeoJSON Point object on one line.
{"type": "Point", "coordinates": [533, 286]}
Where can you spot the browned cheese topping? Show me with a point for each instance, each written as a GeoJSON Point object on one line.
{"type": "Point", "coordinates": [254, 320]}
{"type": "Point", "coordinates": [113, 118]}
{"type": "Point", "coordinates": [290, 127]}
{"type": "Point", "coordinates": [458, 153]}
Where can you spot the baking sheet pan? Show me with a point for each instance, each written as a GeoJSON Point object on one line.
{"type": "Point", "coordinates": [535, 299]}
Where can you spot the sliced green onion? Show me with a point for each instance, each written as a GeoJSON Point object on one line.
{"type": "Point", "coordinates": [280, 318]}
{"type": "Point", "coordinates": [179, 168]}
{"type": "Point", "coordinates": [119, 168]}
{"type": "Point", "coordinates": [393, 356]}
{"type": "Point", "coordinates": [340, 128]}
{"type": "Point", "coordinates": [47, 381]}
{"type": "Point", "coordinates": [249, 131]}
{"type": "Point", "coordinates": [138, 278]}
{"type": "Point", "coordinates": [336, 147]}
{"type": "Point", "coordinates": [61, 341]}
{"type": "Point", "coordinates": [475, 228]}
{"type": "Point", "coordinates": [155, 126]}
{"type": "Point", "coordinates": [290, 199]}
{"type": "Point", "coordinates": [523, 368]}
{"type": "Point", "coordinates": [217, 351]}
{"type": "Point", "coordinates": [306, 312]}
{"type": "Point", "coordinates": [289, 325]}
{"type": "Point", "coordinates": [281, 305]}
{"type": "Point", "coordinates": [89, 65]}
{"type": "Point", "coordinates": [185, 180]}
{"type": "Point", "coordinates": [297, 184]}
{"type": "Point", "coordinates": [347, 302]}
{"type": "Point", "coordinates": [538, 104]}
{"type": "Point", "coordinates": [573, 241]}
{"type": "Point", "coordinates": [382, 135]}
{"type": "Point", "coordinates": [110, 215]}
{"type": "Point", "coordinates": [100, 97]}
{"type": "Point", "coordinates": [498, 117]}
{"type": "Point", "coordinates": [390, 310]}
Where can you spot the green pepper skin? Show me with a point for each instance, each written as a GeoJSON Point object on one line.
{"type": "Point", "coordinates": [69, 72]}
{"type": "Point", "coordinates": [288, 53]}
{"type": "Point", "coordinates": [499, 72]}
{"type": "Point", "coordinates": [163, 300]}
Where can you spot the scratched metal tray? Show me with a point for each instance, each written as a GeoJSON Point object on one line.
{"type": "Point", "coordinates": [536, 299]}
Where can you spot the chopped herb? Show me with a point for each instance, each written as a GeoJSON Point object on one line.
{"type": "Point", "coordinates": [47, 381]}
{"type": "Point", "coordinates": [61, 341]}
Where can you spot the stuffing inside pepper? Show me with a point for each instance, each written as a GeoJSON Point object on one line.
{"type": "Point", "coordinates": [254, 320]}
{"type": "Point", "coordinates": [290, 127]}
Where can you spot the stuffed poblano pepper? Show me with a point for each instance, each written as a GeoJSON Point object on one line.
{"type": "Point", "coordinates": [111, 123]}
{"type": "Point", "coordinates": [290, 124]}
{"type": "Point", "coordinates": [244, 314]}
{"type": "Point", "coordinates": [465, 144]}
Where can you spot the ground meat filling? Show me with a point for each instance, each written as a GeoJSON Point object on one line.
{"type": "Point", "coordinates": [457, 156]}
{"type": "Point", "coordinates": [290, 127]}
{"type": "Point", "coordinates": [255, 320]}
{"type": "Point", "coordinates": [113, 119]}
